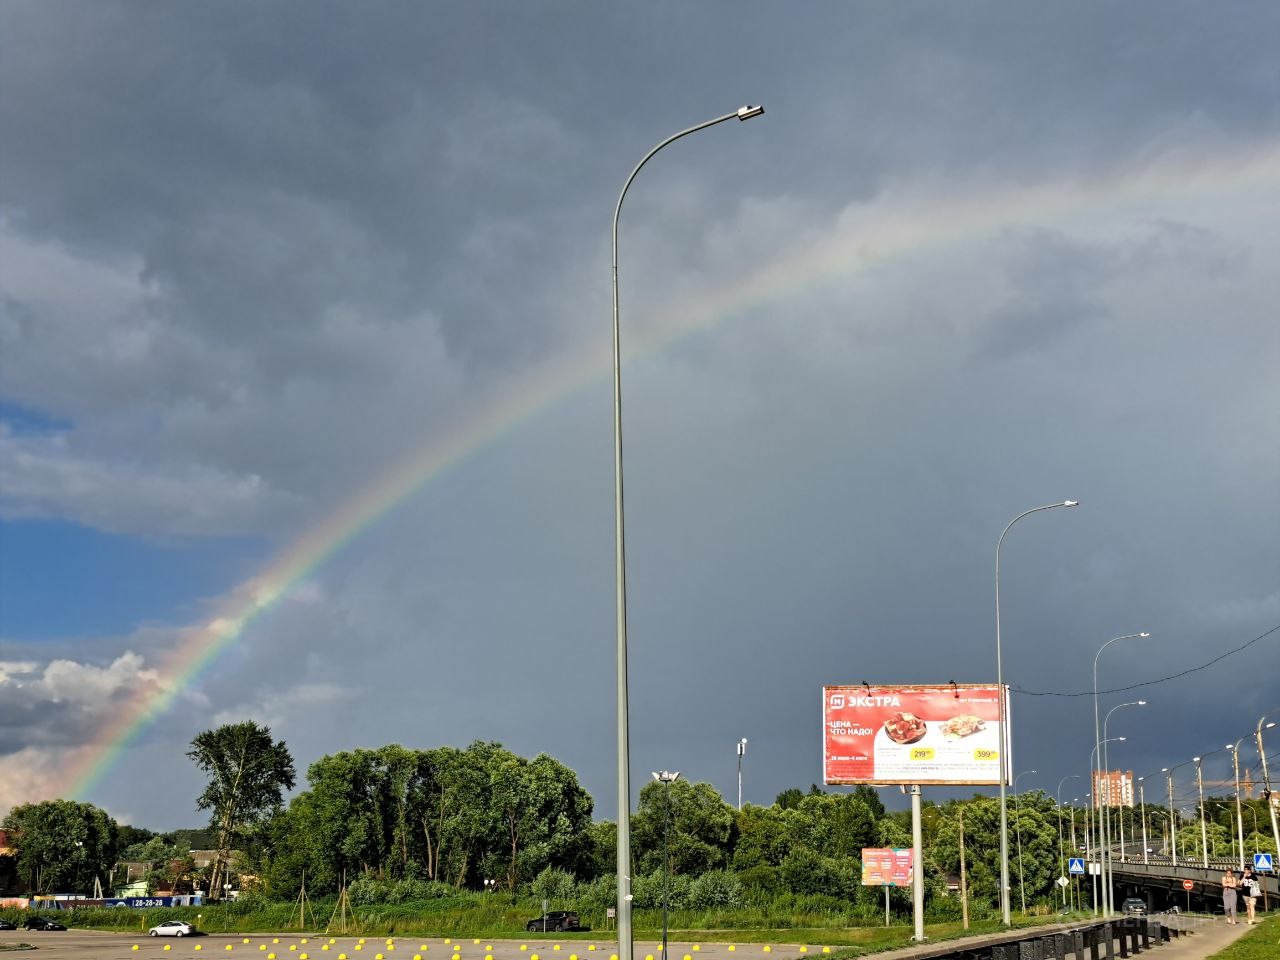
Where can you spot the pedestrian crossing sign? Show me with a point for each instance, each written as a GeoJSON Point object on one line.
{"type": "Point", "coordinates": [1076, 865]}
{"type": "Point", "coordinates": [1262, 861]}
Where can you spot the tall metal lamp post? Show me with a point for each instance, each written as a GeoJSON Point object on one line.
{"type": "Point", "coordinates": [1173, 816]}
{"type": "Point", "coordinates": [668, 778]}
{"type": "Point", "coordinates": [1142, 805]}
{"type": "Point", "coordinates": [1204, 828]}
{"type": "Point", "coordinates": [1097, 728]}
{"type": "Point", "coordinates": [1005, 911]}
{"type": "Point", "coordinates": [1099, 877]}
{"type": "Point", "coordinates": [620, 559]}
{"type": "Point", "coordinates": [742, 752]}
{"type": "Point", "coordinates": [1108, 894]}
{"type": "Point", "coordinates": [1057, 797]}
{"type": "Point", "coordinates": [1235, 765]}
{"type": "Point", "coordinates": [1266, 779]}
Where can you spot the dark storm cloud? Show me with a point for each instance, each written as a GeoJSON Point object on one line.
{"type": "Point", "coordinates": [257, 252]}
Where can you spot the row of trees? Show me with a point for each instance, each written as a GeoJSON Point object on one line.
{"type": "Point", "coordinates": [402, 823]}
{"type": "Point", "coordinates": [449, 815]}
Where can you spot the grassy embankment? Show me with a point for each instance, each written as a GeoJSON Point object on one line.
{"type": "Point", "coordinates": [1260, 943]}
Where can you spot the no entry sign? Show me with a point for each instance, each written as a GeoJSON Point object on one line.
{"type": "Point", "coordinates": [1188, 884]}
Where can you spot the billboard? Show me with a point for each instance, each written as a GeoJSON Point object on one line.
{"type": "Point", "coordinates": [927, 734]}
{"type": "Point", "coordinates": [886, 865]}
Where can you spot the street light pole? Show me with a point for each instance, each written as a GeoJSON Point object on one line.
{"type": "Point", "coordinates": [1097, 729]}
{"type": "Point", "coordinates": [1142, 805]}
{"type": "Point", "coordinates": [1266, 780]}
{"type": "Point", "coordinates": [1075, 897]}
{"type": "Point", "coordinates": [620, 563]}
{"type": "Point", "coordinates": [742, 752]}
{"type": "Point", "coordinates": [1108, 894]}
{"type": "Point", "coordinates": [1099, 878]}
{"type": "Point", "coordinates": [1235, 766]}
{"type": "Point", "coordinates": [667, 778]}
{"type": "Point", "coordinates": [1057, 797]}
{"type": "Point", "coordinates": [1204, 830]}
{"type": "Point", "coordinates": [1006, 913]}
{"type": "Point", "coordinates": [1173, 820]}
{"type": "Point", "coordinates": [1017, 810]}
{"type": "Point", "coordinates": [1088, 845]}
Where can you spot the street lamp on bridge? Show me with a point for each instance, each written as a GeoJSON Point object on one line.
{"type": "Point", "coordinates": [1108, 898]}
{"type": "Point", "coordinates": [1005, 912]}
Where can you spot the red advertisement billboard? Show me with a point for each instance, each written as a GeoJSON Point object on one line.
{"type": "Point", "coordinates": [940, 734]}
{"type": "Point", "coordinates": [886, 865]}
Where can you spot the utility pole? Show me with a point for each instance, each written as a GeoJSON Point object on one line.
{"type": "Point", "coordinates": [964, 886]}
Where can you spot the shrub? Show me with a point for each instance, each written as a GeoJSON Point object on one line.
{"type": "Point", "coordinates": [647, 890]}
{"type": "Point", "coordinates": [761, 880]}
{"type": "Point", "coordinates": [555, 886]}
{"type": "Point", "coordinates": [715, 888]}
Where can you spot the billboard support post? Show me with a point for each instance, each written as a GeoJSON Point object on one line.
{"type": "Point", "coordinates": [917, 874]}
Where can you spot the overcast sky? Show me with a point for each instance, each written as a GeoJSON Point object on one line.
{"type": "Point", "coordinates": [974, 258]}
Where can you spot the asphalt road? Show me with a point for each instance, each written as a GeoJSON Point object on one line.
{"type": "Point", "coordinates": [92, 945]}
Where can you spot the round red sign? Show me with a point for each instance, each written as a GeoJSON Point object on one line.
{"type": "Point", "coordinates": [1188, 884]}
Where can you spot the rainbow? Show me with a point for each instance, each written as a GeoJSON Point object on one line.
{"type": "Point", "coordinates": [888, 228]}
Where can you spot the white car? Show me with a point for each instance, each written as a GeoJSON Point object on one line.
{"type": "Point", "coordinates": [171, 928]}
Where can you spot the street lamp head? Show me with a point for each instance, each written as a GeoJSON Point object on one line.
{"type": "Point", "coordinates": [1122, 738]}
{"type": "Point", "coordinates": [1195, 759]}
{"type": "Point", "coordinates": [1144, 634]}
{"type": "Point", "coordinates": [747, 112]}
{"type": "Point", "coordinates": [1164, 769]}
{"type": "Point", "coordinates": [1071, 503]}
{"type": "Point", "coordinates": [1269, 725]}
{"type": "Point", "coordinates": [1142, 703]}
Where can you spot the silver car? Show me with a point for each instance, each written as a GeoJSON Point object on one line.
{"type": "Point", "coordinates": [171, 928]}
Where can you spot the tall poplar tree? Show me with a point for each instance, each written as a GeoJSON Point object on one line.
{"type": "Point", "coordinates": [248, 774]}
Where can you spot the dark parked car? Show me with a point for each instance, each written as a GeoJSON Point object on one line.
{"type": "Point", "coordinates": [6, 925]}
{"type": "Point", "coordinates": [556, 920]}
{"type": "Point", "coordinates": [1134, 907]}
{"type": "Point", "coordinates": [42, 923]}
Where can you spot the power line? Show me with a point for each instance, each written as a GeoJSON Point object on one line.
{"type": "Point", "coordinates": [1149, 683]}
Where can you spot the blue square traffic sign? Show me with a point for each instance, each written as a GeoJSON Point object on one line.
{"type": "Point", "coordinates": [1076, 865]}
{"type": "Point", "coordinates": [1262, 861]}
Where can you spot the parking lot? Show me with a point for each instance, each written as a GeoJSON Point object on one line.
{"type": "Point", "coordinates": [93, 945]}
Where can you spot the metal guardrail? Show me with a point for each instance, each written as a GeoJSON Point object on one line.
{"type": "Point", "coordinates": [1102, 940]}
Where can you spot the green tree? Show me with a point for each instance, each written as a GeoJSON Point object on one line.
{"type": "Point", "coordinates": [62, 845]}
{"type": "Point", "coordinates": [460, 816]}
{"type": "Point", "coordinates": [248, 774]}
{"type": "Point", "coordinates": [836, 825]}
{"type": "Point", "coordinates": [982, 845]}
{"type": "Point", "coordinates": [697, 827]}
{"type": "Point", "coordinates": [762, 836]}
